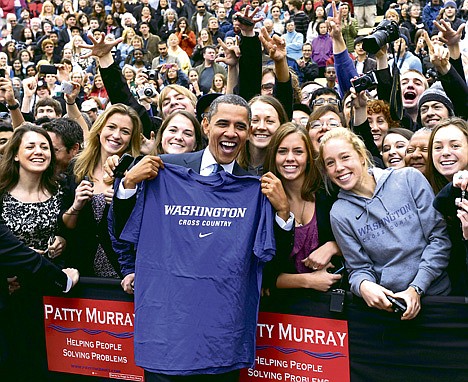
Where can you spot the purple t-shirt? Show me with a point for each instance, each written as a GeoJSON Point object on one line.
{"type": "Point", "coordinates": [201, 243]}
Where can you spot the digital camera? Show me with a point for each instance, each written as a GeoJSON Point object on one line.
{"type": "Point", "coordinates": [148, 91]}
{"type": "Point", "coordinates": [364, 82]}
{"type": "Point", "coordinates": [385, 33]}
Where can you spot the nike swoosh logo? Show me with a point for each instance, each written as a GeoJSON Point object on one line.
{"type": "Point", "coordinates": [202, 235]}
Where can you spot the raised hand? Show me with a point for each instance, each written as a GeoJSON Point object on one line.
{"type": "Point", "coordinates": [247, 30]}
{"type": "Point", "coordinates": [100, 47]}
{"type": "Point", "coordinates": [231, 54]}
{"type": "Point", "coordinates": [276, 46]}
{"type": "Point", "coordinates": [451, 36]}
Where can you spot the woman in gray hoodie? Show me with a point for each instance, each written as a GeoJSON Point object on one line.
{"type": "Point", "coordinates": [394, 242]}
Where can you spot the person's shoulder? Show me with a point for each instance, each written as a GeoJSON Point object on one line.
{"type": "Point", "coordinates": [181, 159]}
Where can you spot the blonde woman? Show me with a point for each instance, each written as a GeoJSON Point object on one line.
{"type": "Point", "coordinates": [375, 210]}
{"type": "Point", "coordinates": [175, 50]}
{"type": "Point", "coordinates": [47, 12]}
{"type": "Point", "coordinates": [125, 47]}
{"type": "Point", "coordinates": [115, 132]}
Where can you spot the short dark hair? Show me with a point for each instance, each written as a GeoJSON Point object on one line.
{"type": "Point", "coordinates": [67, 129]}
{"type": "Point", "coordinates": [230, 99]}
{"type": "Point", "coordinates": [208, 47]}
{"type": "Point", "coordinates": [6, 127]}
{"type": "Point", "coordinates": [324, 90]}
{"type": "Point", "coordinates": [49, 101]}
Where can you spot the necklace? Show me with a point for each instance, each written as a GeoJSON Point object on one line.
{"type": "Point", "coordinates": [299, 222]}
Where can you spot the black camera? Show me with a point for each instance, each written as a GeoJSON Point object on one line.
{"type": "Point", "coordinates": [431, 72]}
{"type": "Point", "coordinates": [364, 82]}
{"type": "Point", "coordinates": [385, 33]}
{"type": "Point", "coordinates": [398, 304]}
{"type": "Point", "coordinates": [152, 74]}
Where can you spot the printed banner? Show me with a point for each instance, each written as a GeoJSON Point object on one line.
{"type": "Point", "coordinates": [91, 337]}
{"type": "Point", "coordinates": [299, 349]}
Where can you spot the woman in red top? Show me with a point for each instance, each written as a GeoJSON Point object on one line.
{"type": "Point", "coordinates": [98, 90]}
{"type": "Point", "coordinates": [187, 38]}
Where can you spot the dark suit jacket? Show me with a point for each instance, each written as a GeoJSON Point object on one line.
{"type": "Point", "coordinates": [16, 258]}
{"type": "Point", "coordinates": [123, 208]}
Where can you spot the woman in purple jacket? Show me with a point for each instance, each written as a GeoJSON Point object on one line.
{"type": "Point", "coordinates": [322, 47]}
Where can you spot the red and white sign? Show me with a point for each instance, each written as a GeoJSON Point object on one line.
{"type": "Point", "coordinates": [299, 349]}
{"type": "Point", "coordinates": [91, 337]}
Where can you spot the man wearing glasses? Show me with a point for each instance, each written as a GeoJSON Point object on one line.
{"type": "Point", "coordinates": [324, 96]}
{"type": "Point", "coordinates": [307, 66]}
{"type": "Point", "coordinates": [200, 19]}
{"type": "Point", "coordinates": [15, 28]}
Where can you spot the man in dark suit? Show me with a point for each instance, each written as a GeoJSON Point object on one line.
{"type": "Point", "coordinates": [227, 127]}
{"type": "Point", "coordinates": [17, 258]}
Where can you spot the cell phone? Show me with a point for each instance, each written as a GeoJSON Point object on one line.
{"type": "Point", "coordinates": [48, 69]}
{"type": "Point", "coordinates": [2, 73]}
{"type": "Point", "coordinates": [124, 163]}
{"type": "Point", "coordinates": [167, 66]}
{"type": "Point", "coordinates": [243, 20]}
{"type": "Point", "coordinates": [86, 177]}
{"type": "Point", "coordinates": [398, 305]}
{"type": "Point", "coordinates": [339, 271]}
{"type": "Point", "coordinates": [66, 87]}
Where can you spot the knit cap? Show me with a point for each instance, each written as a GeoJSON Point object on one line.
{"type": "Point", "coordinates": [436, 93]}
{"type": "Point", "coordinates": [450, 3]}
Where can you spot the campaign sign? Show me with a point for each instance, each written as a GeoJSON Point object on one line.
{"type": "Point", "coordinates": [91, 337]}
{"type": "Point", "coordinates": [299, 349]}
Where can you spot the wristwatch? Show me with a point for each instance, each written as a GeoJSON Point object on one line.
{"type": "Point", "coordinates": [417, 289]}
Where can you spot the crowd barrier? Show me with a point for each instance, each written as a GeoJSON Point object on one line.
{"type": "Point", "coordinates": [380, 347]}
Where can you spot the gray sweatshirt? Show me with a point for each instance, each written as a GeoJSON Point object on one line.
{"type": "Point", "coordinates": [396, 238]}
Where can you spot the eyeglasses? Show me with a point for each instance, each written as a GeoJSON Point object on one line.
{"type": "Point", "coordinates": [303, 121]}
{"type": "Point", "coordinates": [201, 7]}
{"type": "Point", "coordinates": [323, 101]}
{"type": "Point", "coordinates": [331, 123]}
{"type": "Point", "coordinates": [268, 86]}
{"type": "Point", "coordinates": [306, 95]}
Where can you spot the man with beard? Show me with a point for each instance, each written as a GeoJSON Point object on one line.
{"type": "Point", "coordinates": [200, 19]}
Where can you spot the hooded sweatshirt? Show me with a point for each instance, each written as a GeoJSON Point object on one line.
{"type": "Point", "coordinates": [396, 238]}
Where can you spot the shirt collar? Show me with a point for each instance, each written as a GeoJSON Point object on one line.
{"type": "Point", "coordinates": [208, 161]}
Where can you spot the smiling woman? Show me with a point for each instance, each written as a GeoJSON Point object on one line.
{"type": "Point", "coordinates": [179, 133]}
{"type": "Point", "coordinates": [267, 115]}
{"type": "Point", "coordinates": [448, 151]}
{"type": "Point", "coordinates": [394, 146]}
{"type": "Point", "coordinates": [115, 132]}
{"type": "Point", "coordinates": [289, 160]}
{"type": "Point", "coordinates": [376, 211]}
{"type": "Point", "coordinates": [31, 204]}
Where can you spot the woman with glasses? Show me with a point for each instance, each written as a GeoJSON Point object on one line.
{"type": "Point", "coordinates": [298, 184]}
{"type": "Point", "coordinates": [376, 211]}
{"type": "Point", "coordinates": [323, 119]}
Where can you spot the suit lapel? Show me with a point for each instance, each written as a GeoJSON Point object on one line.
{"type": "Point", "coordinates": [194, 161]}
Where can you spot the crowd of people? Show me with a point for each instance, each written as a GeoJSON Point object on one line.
{"type": "Point", "coordinates": [359, 138]}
